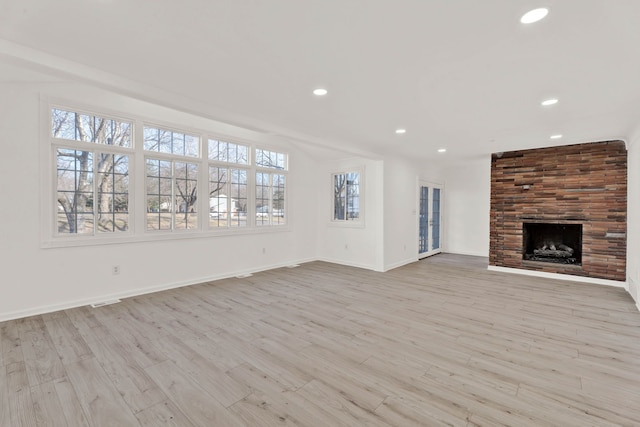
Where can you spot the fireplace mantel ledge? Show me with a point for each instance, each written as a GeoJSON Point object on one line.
{"type": "Point", "coordinates": [558, 276]}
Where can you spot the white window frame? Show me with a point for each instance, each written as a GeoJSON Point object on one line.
{"type": "Point", "coordinates": [272, 171]}
{"type": "Point", "coordinates": [230, 166]}
{"type": "Point", "coordinates": [173, 158]}
{"type": "Point", "coordinates": [49, 213]}
{"type": "Point", "coordinates": [353, 222]}
{"type": "Point", "coordinates": [137, 193]}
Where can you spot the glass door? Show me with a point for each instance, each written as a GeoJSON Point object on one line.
{"type": "Point", "coordinates": [429, 220]}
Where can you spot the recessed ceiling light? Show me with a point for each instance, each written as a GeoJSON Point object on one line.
{"type": "Point", "coordinates": [555, 136]}
{"type": "Point", "coordinates": [399, 131]}
{"type": "Point", "coordinates": [442, 150]}
{"type": "Point", "coordinates": [534, 15]}
{"type": "Point", "coordinates": [320, 92]}
{"type": "Point", "coordinates": [548, 102]}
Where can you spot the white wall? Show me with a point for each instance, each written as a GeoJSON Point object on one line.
{"type": "Point", "coordinates": [467, 203]}
{"type": "Point", "coordinates": [359, 244]}
{"type": "Point", "coordinates": [400, 209]}
{"type": "Point", "coordinates": [37, 280]}
{"type": "Point", "coordinates": [389, 238]}
{"type": "Point", "coordinates": [633, 217]}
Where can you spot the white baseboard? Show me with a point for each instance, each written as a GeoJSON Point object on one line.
{"type": "Point", "coordinates": [557, 276]}
{"type": "Point", "coordinates": [480, 254]}
{"type": "Point", "coordinates": [18, 314]}
{"type": "Point", "coordinates": [348, 263]}
{"type": "Point", "coordinates": [137, 292]}
{"type": "Point", "coordinates": [632, 288]}
{"type": "Point", "coordinates": [400, 263]}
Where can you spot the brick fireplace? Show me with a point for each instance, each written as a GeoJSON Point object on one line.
{"type": "Point", "coordinates": [561, 210]}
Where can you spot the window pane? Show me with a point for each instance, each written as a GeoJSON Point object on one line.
{"type": "Point", "coordinates": [277, 199]}
{"type": "Point", "coordinates": [186, 195]}
{"type": "Point", "coordinates": [339, 196]}
{"type": "Point", "coordinates": [74, 185]}
{"type": "Point", "coordinates": [170, 142]}
{"type": "Point", "coordinates": [151, 138]}
{"type": "Point", "coordinates": [228, 152]}
{"type": "Point", "coordinates": [262, 198]}
{"type": "Point", "coordinates": [270, 159]}
{"type": "Point", "coordinates": [218, 197]}
{"type": "Point", "coordinates": [436, 218]}
{"type": "Point", "coordinates": [165, 141]}
{"type": "Point", "coordinates": [159, 194]}
{"type": "Point", "coordinates": [353, 196]}
{"type": "Point", "coordinates": [243, 155]}
{"type": "Point", "coordinates": [177, 143]}
{"type": "Point", "coordinates": [223, 151]}
{"type": "Point", "coordinates": [113, 193]}
{"type": "Point", "coordinates": [191, 146]}
{"type": "Point", "coordinates": [213, 149]}
{"type": "Point", "coordinates": [88, 128]}
{"type": "Point", "coordinates": [238, 193]}
{"type": "Point", "coordinates": [346, 196]}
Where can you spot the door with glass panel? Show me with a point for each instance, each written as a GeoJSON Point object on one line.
{"type": "Point", "coordinates": [429, 219]}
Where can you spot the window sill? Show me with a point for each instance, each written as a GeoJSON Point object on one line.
{"type": "Point", "coordinates": [347, 224]}
{"type": "Point", "coordinates": [75, 241]}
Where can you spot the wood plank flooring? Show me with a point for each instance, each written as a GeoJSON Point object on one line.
{"type": "Point", "coordinates": [440, 342]}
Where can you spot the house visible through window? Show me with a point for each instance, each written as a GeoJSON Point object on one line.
{"type": "Point", "coordinates": [270, 188]}
{"type": "Point", "coordinates": [172, 179]}
{"type": "Point", "coordinates": [228, 184]}
{"type": "Point", "coordinates": [188, 181]}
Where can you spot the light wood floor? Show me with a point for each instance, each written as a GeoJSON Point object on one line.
{"type": "Point", "coordinates": [439, 342]}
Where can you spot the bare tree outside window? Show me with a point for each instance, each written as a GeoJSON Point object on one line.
{"type": "Point", "coordinates": [171, 142]}
{"type": "Point", "coordinates": [172, 195]}
{"type": "Point", "coordinates": [228, 185]}
{"type": "Point", "coordinates": [94, 155]}
{"type": "Point", "coordinates": [172, 183]}
{"type": "Point", "coordinates": [228, 152]}
{"type": "Point", "coordinates": [270, 159]}
{"type": "Point", "coordinates": [270, 188]}
{"type": "Point", "coordinates": [87, 174]}
{"type": "Point", "coordinates": [186, 195]}
{"type": "Point", "coordinates": [346, 196]}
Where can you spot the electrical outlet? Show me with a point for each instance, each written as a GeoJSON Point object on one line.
{"type": "Point", "coordinates": [115, 270]}
{"type": "Point", "coordinates": [264, 251]}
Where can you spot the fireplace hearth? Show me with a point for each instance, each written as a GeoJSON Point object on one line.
{"type": "Point", "coordinates": [552, 242]}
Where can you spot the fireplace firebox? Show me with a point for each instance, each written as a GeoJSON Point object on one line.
{"type": "Point", "coordinates": [550, 242]}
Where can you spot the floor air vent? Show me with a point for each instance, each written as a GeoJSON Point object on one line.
{"type": "Point", "coordinates": [103, 303]}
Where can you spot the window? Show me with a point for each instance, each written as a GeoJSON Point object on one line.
{"type": "Point", "coordinates": [228, 185]}
{"type": "Point", "coordinates": [171, 195]}
{"type": "Point", "coordinates": [172, 181]}
{"type": "Point", "coordinates": [228, 152]}
{"type": "Point", "coordinates": [188, 182]}
{"type": "Point", "coordinates": [76, 126]}
{"type": "Point", "coordinates": [270, 159]}
{"type": "Point", "coordinates": [170, 142]}
{"type": "Point", "coordinates": [270, 188]}
{"type": "Point", "coordinates": [92, 173]}
{"type": "Point", "coordinates": [346, 196]}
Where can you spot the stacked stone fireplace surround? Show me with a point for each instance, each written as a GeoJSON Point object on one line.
{"type": "Point", "coordinates": [576, 184]}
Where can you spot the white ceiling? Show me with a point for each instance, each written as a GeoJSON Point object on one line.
{"type": "Point", "coordinates": [465, 75]}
